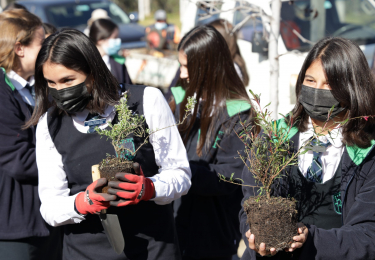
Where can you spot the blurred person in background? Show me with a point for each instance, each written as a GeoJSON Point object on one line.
{"type": "Point", "coordinates": [162, 35]}
{"type": "Point", "coordinates": [12, 6]}
{"type": "Point", "coordinates": [49, 29]}
{"type": "Point", "coordinates": [225, 28]}
{"type": "Point", "coordinates": [95, 15]}
{"type": "Point", "coordinates": [104, 33]}
{"type": "Point", "coordinates": [207, 217]}
{"type": "Point", "coordinates": [23, 232]}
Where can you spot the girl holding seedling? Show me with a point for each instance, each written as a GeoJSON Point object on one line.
{"type": "Point", "coordinates": [211, 207]}
{"type": "Point", "coordinates": [333, 138]}
{"type": "Point", "coordinates": [71, 70]}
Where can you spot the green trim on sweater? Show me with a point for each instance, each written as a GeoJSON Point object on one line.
{"type": "Point", "coordinates": [7, 80]}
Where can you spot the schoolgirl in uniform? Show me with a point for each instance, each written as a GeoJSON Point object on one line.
{"type": "Point", "coordinates": [70, 68]}
{"type": "Point", "coordinates": [335, 184]}
{"type": "Point", "coordinates": [23, 232]}
{"type": "Point", "coordinates": [104, 33]}
{"type": "Point", "coordinates": [207, 217]}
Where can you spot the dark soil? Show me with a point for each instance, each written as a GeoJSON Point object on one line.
{"type": "Point", "coordinates": [112, 166]}
{"type": "Point", "coordinates": [272, 221]}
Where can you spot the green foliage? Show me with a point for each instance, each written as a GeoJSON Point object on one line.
{"type": "Point", "coordinates": [131, 123]}
{"type": "Point", "coordinates": [267, 151]}
{"type": "Point", "coordinates": [128, 123]}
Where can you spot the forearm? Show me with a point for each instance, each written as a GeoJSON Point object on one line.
{"type": "Point", "coordinates": [57, 209]}
{"type": "Point", "coordinates": [347, 242]}
{"type": "Point", "coordinates": [171, 185]}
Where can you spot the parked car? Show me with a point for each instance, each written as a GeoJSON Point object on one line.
{"type": "Point", "coordinates": [76, 13]}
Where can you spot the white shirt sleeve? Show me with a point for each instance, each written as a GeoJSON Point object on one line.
{"type": "Point", "coordinates": [173, 179]}
{"type": "Point", "coordinates": [57, 206]}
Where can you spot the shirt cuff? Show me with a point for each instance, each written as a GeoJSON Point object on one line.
{"type": "Point", "coordinates": [73, 215]}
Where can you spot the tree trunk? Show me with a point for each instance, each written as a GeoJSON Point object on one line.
{"type": "Point", "coordinates": [272, 54]}
{"type": "Point", "coordinates": [141, 9]}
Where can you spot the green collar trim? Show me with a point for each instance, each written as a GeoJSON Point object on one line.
{"type": "Point", "coordinates": [233, 106]}
{"type": "Point", "coordinates": [178, 94]}
{"type": "Point", "coordinates": [7, 80]}
{"type": "Point", "coordinates": [118, 59]}
{"type": "Point", "coordinates": [237, 106]}
{"type": "Point", "coordinates": [356, 154]}
{"type": "Point", "coordinates": [359, 154]}
{"type": "Point", "coordinates": [281, 125]}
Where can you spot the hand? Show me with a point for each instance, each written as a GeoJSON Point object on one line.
{"type": "Point", "coordinates": [131, 188]}
{"type": "Point", "coordinates": [91, 201]}
{"type": "Point", "coordinates": [262, 247]}
{"type": "Point", "coordinates": [303, 231]}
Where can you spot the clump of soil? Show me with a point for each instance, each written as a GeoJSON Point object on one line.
{"type": "Point", "coordinates": [110, 167]}
{"type": "Point", "coordinates": [272, 221]}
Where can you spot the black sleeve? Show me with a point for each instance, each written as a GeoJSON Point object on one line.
{"type": "Point", "coordinates": [356, 238]}
{"type": "Point", "coordinates": [127, 79]}
{"type": "Point", "coordinates": [205, 179]}
{"type": "Point", "coordinates": [17, 146]}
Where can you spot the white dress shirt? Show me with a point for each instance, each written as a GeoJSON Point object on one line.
{"type": "Point", "coordinates": [106, 61]}
{"type": "Point", "coordinates": [171, 182]}
{"type": "Point", "coordinates": [330, 158]}
{"type": "Point", "coordinates": [20, 83]}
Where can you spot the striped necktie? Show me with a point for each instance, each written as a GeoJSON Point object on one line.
{"type": "Point", "coordinates": [31, 90]}
{"type": "Point", "coordinates": [315, 170]}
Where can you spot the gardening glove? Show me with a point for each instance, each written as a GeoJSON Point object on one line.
{"type": "Point", "coordinates": [131, 188]}
{"type": "Point", "coordinates": [91, 201]}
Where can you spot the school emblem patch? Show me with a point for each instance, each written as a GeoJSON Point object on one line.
{"type": "Point", "coordinates": [337, 203]}
{"type": "Point", "coordinates": [128, 145]}
{"type": "Point", "coordinates": [218, 138]}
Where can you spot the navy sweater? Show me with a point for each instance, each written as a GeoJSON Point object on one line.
{"type": "Point", "coordinates": [119, 70]}
{"type": "Point", "coordinates": [207, 218]}
{"type": "Point", "coordinates": [355, 239]}
{"type": "Point", "coordinates": [19, 200]}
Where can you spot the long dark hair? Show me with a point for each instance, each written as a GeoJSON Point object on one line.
{"type": "Point", "coordinates": [224, 27]}
{"type": "Point", "coordinates": [212, 78]}
{"type": "Point", "coordinates": [349, 76]}
{"type": "Point", "coordinates": [101, 29]}
{"type": "Point", "coordinates": [74, 50]}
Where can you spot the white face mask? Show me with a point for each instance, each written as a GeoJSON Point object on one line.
{"type": "Point", "coordinates": [113, 46]}
{"type": "Point", "coordinates": [160, 25]}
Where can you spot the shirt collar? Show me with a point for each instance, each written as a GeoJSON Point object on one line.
{"type": "Point", "coordinates": [81, 116]}
{"type": "Point", "coordinates": [335, 136]}
{"type": "Point", "coordinates": [19, 82]}
{"type": "Point", "coordinates": [106, 59]}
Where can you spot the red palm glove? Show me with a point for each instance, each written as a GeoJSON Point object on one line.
{"type": "Point", "coordinates": [91, 201]}
{"type": "Point", "coordinates": [131, 188]}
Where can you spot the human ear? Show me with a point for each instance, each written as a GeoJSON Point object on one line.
{"type": "Point", "coordinates": [19, 49]}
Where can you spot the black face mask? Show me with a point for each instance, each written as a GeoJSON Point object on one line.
{"type": "Point", "coordinates": [73, 99]}
{"type": "Point", "coordinates": [318, 102]}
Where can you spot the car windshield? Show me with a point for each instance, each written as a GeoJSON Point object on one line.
{"type": "Point", "coordinates": [316, 19]}
{"type": "Point", "coordinates": [76, 15]}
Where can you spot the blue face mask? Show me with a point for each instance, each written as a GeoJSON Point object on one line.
{"type": "Point", "coordinates": [160, 26]}
{"type": "Point", "coordinates": [114, 45]}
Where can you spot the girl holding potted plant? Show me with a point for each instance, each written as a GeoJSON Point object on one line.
{"type": "Point", "coordinates": [334, 181]}
{"type": "Point", "coordinates": [71, 70]}
{"type": "Point", "coordinates": [211, 207]}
